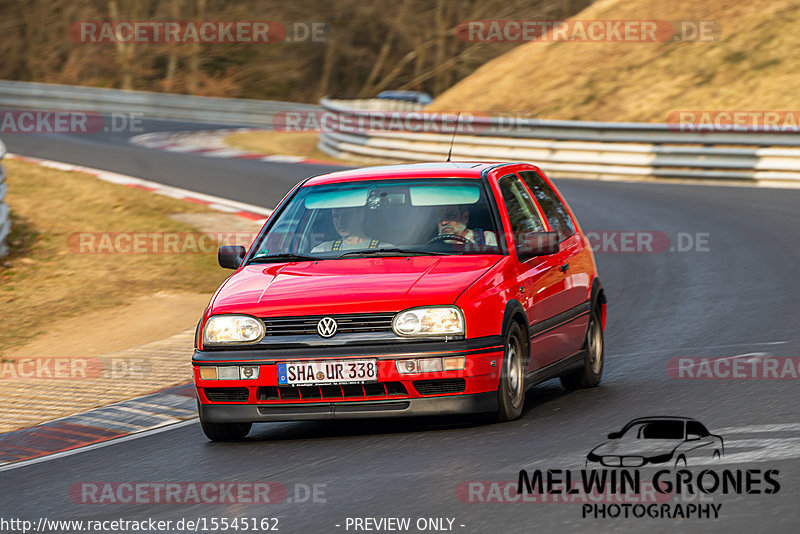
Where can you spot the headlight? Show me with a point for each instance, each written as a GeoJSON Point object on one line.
{"type": "Point", "coordinates": [227, 329]}
{"type": "Point", "coordinates": [438, 321]}
{"type": "Point", "coordinates": [660, 459]}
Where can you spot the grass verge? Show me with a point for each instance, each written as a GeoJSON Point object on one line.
{"type": "Point", "coordinates": [43, 281]}
{"type": "Point", "coordinates": [300, 144]}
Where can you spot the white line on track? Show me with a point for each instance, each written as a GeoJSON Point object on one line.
{"type": "Point", "coordinates": [130, 437]}
{"type": "Point", "coordinates": [679, 349]}
{"type": "Point", "coordinates": [124, 179]}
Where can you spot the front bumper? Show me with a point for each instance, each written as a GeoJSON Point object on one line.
{"type": "Point", "coordinates": [439, 405]}
{"type": "Point", "coordinates": [395, 394]}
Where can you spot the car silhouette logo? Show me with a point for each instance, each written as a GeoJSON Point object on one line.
{"type": "Point", "coordinates": [677, 441]}
{"type": "Point", "coordinates": [326, 327]}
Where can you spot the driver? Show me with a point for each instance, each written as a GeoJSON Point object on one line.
{"type": "Point", "coordinates": [349, 224]}
{"type": "Point", "coordinates": [453, 220]}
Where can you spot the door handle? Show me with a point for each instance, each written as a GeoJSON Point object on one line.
{"type": "Point", "coordinates": [564, 268]}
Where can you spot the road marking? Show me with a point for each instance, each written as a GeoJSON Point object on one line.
{"type": "Point", "coordinates": [224, 153]}
{"type": "Point", "coordinates": [106, 423]}
{"type": "Point", "coordinates": [734, 345]}
{"type": "Point", "coordinates": [755, 355]}
{"type": "Point", "coordinates": [753, 429]}
{"type": "Point", "coordinates": [114, 441]}
{"type": "Point", "coordinates": [155, 187]}
{"type": "Point", "coordinates": [160, 407]}
{"type": "Point", "coordinates": [138, 411]}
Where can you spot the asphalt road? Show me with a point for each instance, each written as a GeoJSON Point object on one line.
{"type": "Point", "coordinates": [734, 296]}
{"type": "Point", "coordinates": [248, 181]}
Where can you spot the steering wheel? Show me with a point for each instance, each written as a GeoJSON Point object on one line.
{"type": "Point", "coordinates": [448, 237]}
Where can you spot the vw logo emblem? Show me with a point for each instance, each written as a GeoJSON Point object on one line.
{"type": "Point", "coordinates": [326, 327]}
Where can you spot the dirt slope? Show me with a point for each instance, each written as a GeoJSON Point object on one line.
{"type": "Point", "coordinates": [751, 64]}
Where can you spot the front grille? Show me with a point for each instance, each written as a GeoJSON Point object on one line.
{"type": "Point", "coordinates": [346, 324]}
{"type": "Point", "coordinates": [226, 394]}
{"type": "Point", "coordinates": [344, 391]}
{"type": "Point", "coordinates": [444, 385]}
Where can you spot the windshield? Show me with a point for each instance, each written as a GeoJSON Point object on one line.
{"type": "Point", "coordinates": [656, 430]}
{"type": "Point", "coordinates": [386, 217]}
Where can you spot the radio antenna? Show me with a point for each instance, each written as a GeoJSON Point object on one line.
{"type": "Point", "coordinates": [450, 152]}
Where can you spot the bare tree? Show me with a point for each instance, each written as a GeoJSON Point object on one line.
{"type": "Point", "coordinates": [370, 46]}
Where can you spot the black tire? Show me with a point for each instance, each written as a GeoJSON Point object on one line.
{"type": "Point", "coordinates": [223, 431]}
{"type": "Point", "coordinates": [511, 389]}
{"type": "Point", "coordinates": [591, 373]}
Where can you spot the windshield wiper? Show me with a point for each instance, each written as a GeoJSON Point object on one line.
{"type": "Point", "coordinates": [392, 252]}
{"type": "Point", "coordinates": [283, 257]}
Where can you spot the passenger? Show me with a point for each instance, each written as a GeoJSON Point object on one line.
{"type": "Point", "coordinates": [349, 224]}
{"type": "Point", "coordinates": [453, 220]}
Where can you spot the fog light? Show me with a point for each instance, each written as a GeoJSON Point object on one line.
{"type": "Point", "coordinates": [454, 364]}
{"type": "Point", "coordinates": [249, 372]}
{"type": "Point", "coordinates": [229, 372]}
{"type": "Point", "coordinates": [430, 364]}
{"type": "Point", "coordinates": [406, 366]}
{"type": "Point", "coordinates": [208, 373]}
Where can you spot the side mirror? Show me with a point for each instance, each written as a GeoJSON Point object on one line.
{"type": "Point", "coordinates": [692, 437]}
{"type": "Point", "coordinates": [614, 435]}
{"type": "Point", "coordinates": [231, 256]}
{"type": "Point", "coordinates": [537, 244]}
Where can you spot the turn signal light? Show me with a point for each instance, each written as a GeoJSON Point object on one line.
{"type": "Point", "coordinates": [428, 365]}
{"type": "Point", "coordinates": [229, 372]}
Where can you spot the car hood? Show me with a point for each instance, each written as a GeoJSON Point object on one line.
{"type": "Point", "coordinates": [637, 447]}
{"type": "Point", "coordinates": [353, 285]}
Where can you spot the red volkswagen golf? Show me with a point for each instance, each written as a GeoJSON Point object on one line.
{"type": "Point", "coordinates": [401, 290]}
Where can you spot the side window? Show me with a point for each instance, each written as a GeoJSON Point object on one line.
{"type": "Point", "coordinates": [694, 427]}
{"type": "Point", "coordinates": [521, 209]}
{"type": "Point", "coordinates": [553, 209]}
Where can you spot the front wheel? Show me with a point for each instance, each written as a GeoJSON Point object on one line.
{"type": "Point", "coordinates": [511, 389]}
{"type": "Point", "coordinates": [592, 371]}
{"type": "Point", "coordinates": [223, 431]}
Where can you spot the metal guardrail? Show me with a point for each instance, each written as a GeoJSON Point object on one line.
{"type": "Point", "coordinates": [582, 149]}
{"type": "Point", "coordinates": [233, 111]}
{"type": "Point", "coordinates": [374, 104]}
{"type": "Point", "coordinates": [5, 215]}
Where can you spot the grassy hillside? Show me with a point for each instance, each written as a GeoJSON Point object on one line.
{"type": "Point", "coordinates": [753, 64]}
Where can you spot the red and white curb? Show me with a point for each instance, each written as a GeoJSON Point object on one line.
{"type": "Point", "coordinates": [167, 408]}
{"type": "Point", "coordinates": [247, 211]}
{"type": "Point", "coordinates": [123, 420]}
{"type": "Point", "coordinates": [211, 144]}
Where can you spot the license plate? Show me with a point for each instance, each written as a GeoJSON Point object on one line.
{"type": "Point", "coordinates": [327, 372]}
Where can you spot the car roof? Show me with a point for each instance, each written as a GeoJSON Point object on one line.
{"type": "Point", "coordinates": [456, 169]}
{"type": "Point", "coordinates": [660, 418]}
